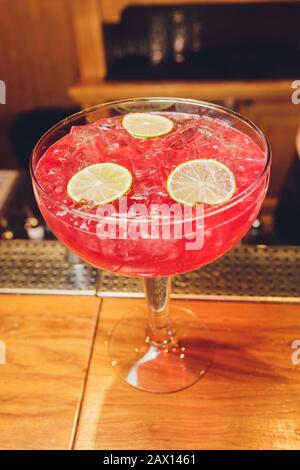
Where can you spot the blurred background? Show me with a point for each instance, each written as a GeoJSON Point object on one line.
{"type": "Point", "coordinates": [58, 56]}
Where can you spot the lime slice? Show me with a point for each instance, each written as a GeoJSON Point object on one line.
{"type": "Point", "coordinates": [145, 125]}
{"type": "Point", "coordinates": [201, 181]}
{"type": "Point", "coordinates": [100, 183]}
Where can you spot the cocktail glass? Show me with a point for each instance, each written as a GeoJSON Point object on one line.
{"type": "Point", "coordinates": [158, 347]}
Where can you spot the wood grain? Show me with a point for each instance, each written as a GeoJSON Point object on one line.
{"type": "Point", "coordinates": [89, 38]}
{"type": "Point", "coordinates": [112, 10]}
{"type": "Point", "coordinates": [249, 399]}
{"type": "Point", "coordinates": [91, 93]}
{"type": "Point", "coordinates": [37, 53]}
{"type": "Point", "coordinates": [48, 342]}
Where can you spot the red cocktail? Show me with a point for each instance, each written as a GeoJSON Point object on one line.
{"type": "Point", "coordinates": [194, 188]}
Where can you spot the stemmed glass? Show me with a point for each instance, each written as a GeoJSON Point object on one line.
{"type": "Point", "coordinates": [157, 347]}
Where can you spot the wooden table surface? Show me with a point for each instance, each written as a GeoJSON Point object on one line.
{"type": "Point", "coordinates": [59, 391]}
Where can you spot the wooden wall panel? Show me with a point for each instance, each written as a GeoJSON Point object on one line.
{"type": "Point", "coordinates": [37, 53]}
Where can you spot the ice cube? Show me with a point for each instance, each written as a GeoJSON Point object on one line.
{"type": "Point", "coordinates": [179, 139]}
{"type": "Point", "coordinates": [83, 134]}
{"type": "Point", "coordinates": [147, 163]}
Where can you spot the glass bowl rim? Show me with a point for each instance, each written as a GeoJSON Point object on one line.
{"type": "Point", "coordinates": [204, 104]}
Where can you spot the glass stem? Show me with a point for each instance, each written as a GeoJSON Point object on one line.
{"type": "Point", "coordinates": [157, 291]}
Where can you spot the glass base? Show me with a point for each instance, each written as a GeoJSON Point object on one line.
{"type": "Point", "coordinates": [167, 367]}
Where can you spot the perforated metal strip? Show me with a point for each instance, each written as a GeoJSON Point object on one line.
{"type": "Point", "coordinates": [43, 267]}
{"type": "Point", "coordinates": [256, 273]}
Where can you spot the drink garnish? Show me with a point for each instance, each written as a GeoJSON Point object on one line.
{"type": "Point", "coordinates": [100, 183]}
{"type": "Point", "coordinates": [147, 125]}
{"type": "Point", "coordinates": [205, 181]}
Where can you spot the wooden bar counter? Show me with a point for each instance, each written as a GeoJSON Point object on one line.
{"type": "Point", "coordinates": [59, 391]}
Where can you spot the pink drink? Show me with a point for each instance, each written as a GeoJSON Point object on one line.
{"type": "Point", "coordinates": [150, 161]}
